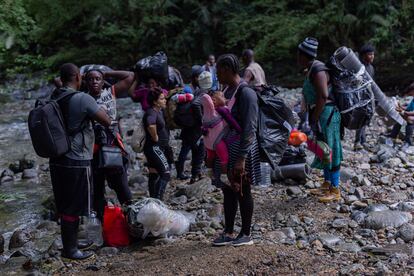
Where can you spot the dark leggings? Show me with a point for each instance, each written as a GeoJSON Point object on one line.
{"type": "Point", "coordinates": [157, 182]}
{"type": "Point", "coordinates": [409, 129]}
{"type": "Point", "coordinates": [231, 202]}
{"type": "Point", "coordinates": [117, 181]}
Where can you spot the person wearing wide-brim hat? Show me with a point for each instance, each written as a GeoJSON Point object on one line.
{"type": "Point", "coordinates": [324, 117]}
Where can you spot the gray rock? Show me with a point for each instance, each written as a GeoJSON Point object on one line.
{"type": "Point", "coordinates": [29, 174]}
{"type": "Point", "coordinates": [19, 238]}
{"type": "Point", "coordinates": [351, 198]}
{"type": "Point", "coordinates": [347, 174]}
{"type": "Point", "coordinates": [108, 251]}
{"type": "Point", "coordinates": [364, 166]}
{"type": "Point", "coordinates": [359, 193]}
{"type": "Point", "coordinates": [340, 223]}
{"type": "Point", "coordinates": [406, 232]}
{"type": "Point", "coordinates": [367, 233]}
{"type": "Point", "coordinates": [292, 220]}
{"type": "Point", "coordinates": [276, 236]}
{"type": "Point", "coordinates": [348, 247]}
{"type": "Point", "coordinates": [307, 220]}
{"type": "Point", "coordinates": [393, 163]}
{"type": "Point", "coordinates": [366, 182]}
{"type": "Point", "coordinates": [386, 152]}
{"type": "Point", "coordinates": [352, 269]}
{"type": "Point", "coordinates": [196, 190]}
{"type": "Point", "coordinates": [389, 249]}
{"type": "Point", "coordinates": [293, 191]}
{"type": "Point", "coordinates": [310, 185]}
{"type": "Point", "coordinates": [359, 217]}
{"type": "Point", "coordinates": [406, 206]}
{"type": "Point", "coordinates": [386, 180]}
{"type": "Point", "coordinates": [382, 269]}
{"type": "Point", "coordinates": [383, 219]}
{"type": "Point", "coordinates": [180, 200]}
{"type": "Point", "coordinates": [7, 172]}
{"type": "Point", "coordinates": [353, 224]}
{"type": "Point", "coordinates": [344, 208]}
{"type": "Point", "coordinates": [6, 179]}
{"type": "Point", "coordinates": [329, 240]}
{"type": "Point", "coordinates": [376, 208]}
{"type": "Point", "coordinates": [357, 179]}
{"type": "Point", "coordinates": [290, 233]}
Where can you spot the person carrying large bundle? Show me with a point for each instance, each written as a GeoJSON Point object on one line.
{"type": "Point", "coordinates": [324, 117]}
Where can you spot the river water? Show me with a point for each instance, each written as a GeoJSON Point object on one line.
{"type": "Point", "coordinates": [21, 200]}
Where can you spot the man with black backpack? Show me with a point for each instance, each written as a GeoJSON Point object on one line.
{"type": "Point", "coordinates": [71, 172]}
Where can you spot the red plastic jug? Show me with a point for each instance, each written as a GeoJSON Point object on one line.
{"type": "Point", "coordinates": [115, 227]}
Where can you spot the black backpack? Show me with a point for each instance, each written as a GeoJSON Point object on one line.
{"type": "Point", "coordinates": [47, 127]}
{"type": "Point", "coordinates": [274, 125]}
{"type": "Point", "coordinates": [275, 121]}
{"type": "Point", "coordinates": [183, 115]}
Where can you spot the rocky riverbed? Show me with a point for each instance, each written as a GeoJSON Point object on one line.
{"type": "Point", "coordinates": [369, 232]}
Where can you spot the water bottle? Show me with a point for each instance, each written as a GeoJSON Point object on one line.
{"type": "Point", "coordinates": [265, 171]}
{"type": "Point", "coordinates": [94, 229]}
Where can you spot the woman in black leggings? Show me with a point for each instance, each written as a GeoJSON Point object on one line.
{"type": "Point", "coordinates": [156, 144]}
{"type": "Point", "coordinates": [244, 161]}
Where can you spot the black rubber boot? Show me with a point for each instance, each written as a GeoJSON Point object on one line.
{"type": "Point", "coordinates": [84, 244]}
{"type": "Point", "coordinates": [161, 186]}
{"type": "Point", "coordinates": [152, 184]}
{"type": "Point", "coordinates": [70, 242]}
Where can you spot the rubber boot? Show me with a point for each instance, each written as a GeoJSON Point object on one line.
{"type": "Point", "coordinates": [334, 194]}
{"type": "Point", "coordinates": [179, 166]}
{"type": "Point", "coordinates": [321, 190]}
{"type": "Point", "coordinates": [69, 232]}
{"type": "Point", "coordinates": [161, 186]}
{"type": "Point", "coordinates": [84, 244]}
{"type": "Point", "coordinates": [152, 184]}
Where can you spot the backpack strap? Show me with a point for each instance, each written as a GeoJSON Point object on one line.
{"type": "Point", "coordinates": [232, 101]}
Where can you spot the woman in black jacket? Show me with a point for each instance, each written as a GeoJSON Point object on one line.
{"type": "Point", "coordinates": [244, 163]}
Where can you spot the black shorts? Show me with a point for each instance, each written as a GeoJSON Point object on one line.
{"type": "Point", "coordinates": [157, 158]}
{"type": "Point", "coordinates": [72, 185]}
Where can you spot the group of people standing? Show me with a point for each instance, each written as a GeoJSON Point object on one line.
{"type": "Point", "coordinates": [224, 108]}
{"type": "Point", "coordinates": [90, 116]}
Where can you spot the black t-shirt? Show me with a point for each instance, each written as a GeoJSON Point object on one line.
{"type": "Point", "coordinates": [153, 117]}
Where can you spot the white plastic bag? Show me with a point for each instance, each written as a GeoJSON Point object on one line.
{"type": "Point", "coordinates": [157, 219]}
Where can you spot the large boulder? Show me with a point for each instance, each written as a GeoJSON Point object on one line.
{"type": "Point", "coordinates": [383, 219]}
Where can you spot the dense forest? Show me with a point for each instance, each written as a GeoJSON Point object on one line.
{"type": "Point", "coordinates": [42, 34]}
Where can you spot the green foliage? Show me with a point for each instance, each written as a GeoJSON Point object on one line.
{"type": "Point", "coordinates": [38, 34]}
